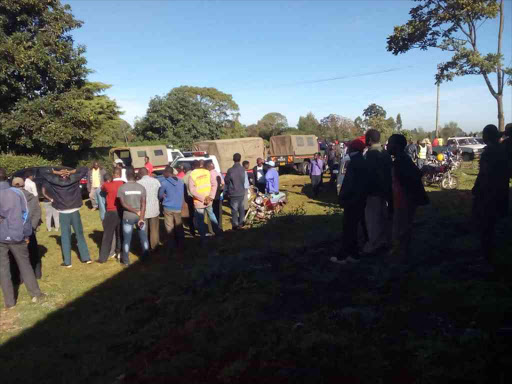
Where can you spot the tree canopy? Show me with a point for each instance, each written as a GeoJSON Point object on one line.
{"type": "Point", "coordinates": [272, 124]}
{"type": "Point", "coordinates": [187, 114]}
{"type": "Point", "coordinates": [452, 25]}
{"type": "Point", "coordinates": [308, 124]}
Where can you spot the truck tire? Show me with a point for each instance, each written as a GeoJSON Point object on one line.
{"type": "Point", "coordinates": [467, 156]}
{"type": "Point", "coordinates": [304, 168]}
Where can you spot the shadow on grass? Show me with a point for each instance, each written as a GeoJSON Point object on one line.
{"type": "Point", "coordinates": [265, 305]}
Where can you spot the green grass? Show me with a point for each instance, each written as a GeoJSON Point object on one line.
{"type": "Point", "coordinates": [266, 305]}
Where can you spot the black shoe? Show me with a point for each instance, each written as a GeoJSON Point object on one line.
{"type": "Point", "coordinates": [66, 265]}
{"type": "Point", "coordinates": [99, 261]}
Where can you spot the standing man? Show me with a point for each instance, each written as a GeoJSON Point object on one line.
{"type": "Point", "coordinates": [112, 220]}
{"type": "Point", "coordinates": [258, 173]}
{"type": "Point", "coordinates": [235, 183]}
{"type": "Point", "coordinates": [119, 164]}
{"type": "Point", "coordinates": [271, 178]}
{"type": "Point", "coordinates": [408, 194]}
{"type": "Point", "coordinates": [352, 199]}
{"type": "Point", "coordinates": [94, 182]}
{"type": "Point", "coordinates": [132, 197]}
{"type": "Point", "coordinates": [29, 183]}
{"type": "Point", "coordinates": [15, 230]}
{"type": "Point", "coordinates": [379, 194]}
{"type": "Point", "coordinates": [148, 165]}
{"type": "Point", "coordinates": [34, 217]}
{"type": "Point", "coordinates": [217, 202]}
{"type": "Point", "coordinates": [247, 185]}
{"type": "Point", "coordinates": [188, 211]}
{"type": "Point", "coordinates": [490, 192]}
{"type": "Point", "coordinates": [203, 187]}
{"type": "Point", "coordinates": [152, 215]}
{"type": "Point", "coordinates": [422, 153]}
{"type": "Point", "coordinates": [66, 198]}
{"type": "Point", "coordinates": [317, 168]}
{"type": "Point", "coordinates": [412, 150]}
{"type": "Point", "coordinates": [50, 212]}
{"type": "Point", "coordinates": [172, 195]}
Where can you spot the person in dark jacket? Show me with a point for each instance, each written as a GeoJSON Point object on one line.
{"type": "Point", "coordinates": [235, 184]}
{"type": "Point", "coordinates": [15, 231]}
{"type": "Point", "coordinates": [35, 220]}
{"type": "Point", "coordinates": [352, 199]}
{"type": "Point", "coordinates": [258, 174]}
{"type": "Point", "coordinates": [378, 202]}
{"type": "Point", "coordinates": [412, 150]}
{"type": "Point", "coordinates": [408, 194]}
{"type": "Point", "coordinates": [66, 198]}
{"type": "Point", "coordinates": [490, 192]}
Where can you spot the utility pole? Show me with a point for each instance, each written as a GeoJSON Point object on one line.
{"type": "Point", "coordinates": [437, 112]}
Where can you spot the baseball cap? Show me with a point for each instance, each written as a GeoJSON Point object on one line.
{"type": "Point", "coordinates": [271, 163]}
{"type": "Point", "coordinates": [18, 182]}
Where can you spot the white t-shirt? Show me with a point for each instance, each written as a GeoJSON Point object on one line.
{"type": "Point", "coordinates": [30, 186]}
{"type": "Point", "coordinates": [260, 175]}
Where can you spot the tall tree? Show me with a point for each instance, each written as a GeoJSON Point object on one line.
{"type": "Point", "coordinates": [452, 129]}
{"type": "Point", "coordinates": [399, 125]}
{"type": "Point", "coordinates": [272, 124]}
{"type": "Point", "coordinates": [374, 110]}
{"type": "Point", "coordinates": [187, 114]}
{"type": "Point", "coordinates": [452, 25]}
{"type": "Point", "coordinates": [308, 124]}
{"type": "Point", "coordinates": [338, 127]}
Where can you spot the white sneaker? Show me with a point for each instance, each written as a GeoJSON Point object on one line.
{"type": "Point", "coordinates": [335, 260]}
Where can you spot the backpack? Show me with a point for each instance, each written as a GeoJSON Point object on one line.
{"type": "Point", "coordinates": [24, 210]}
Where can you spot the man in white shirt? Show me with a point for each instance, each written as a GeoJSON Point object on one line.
{"type": "Point", "coordinates": [152, 215]}
{"type": "Point", "coordinates": [29, 183]}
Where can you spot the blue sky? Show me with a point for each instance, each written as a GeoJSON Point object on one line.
{"type": "Point", "coordinates": [259, 50]}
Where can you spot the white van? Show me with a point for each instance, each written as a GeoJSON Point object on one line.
{"type": "Point", "coordinates": [187, 161]}
{"type": "Point", "coordinates": [173, 154]}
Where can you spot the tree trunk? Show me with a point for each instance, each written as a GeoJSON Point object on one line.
{"type": "Point", "coordinates": [501, 118]}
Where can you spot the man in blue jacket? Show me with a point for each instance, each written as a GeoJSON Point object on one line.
{"type": "Point", "coordinates": [15, 230]}
{"type": "Point", "coordinates": [172, 195]}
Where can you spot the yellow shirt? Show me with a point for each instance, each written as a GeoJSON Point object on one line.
{"type": "Point", "coordinates": [96, 180]}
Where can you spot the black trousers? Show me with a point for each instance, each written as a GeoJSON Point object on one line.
{"type": "Point", "coordinates": [316, 184]}
{"type": "Point", "coordinates": [111, 228]}
{"type": "Point", "coordinates": [261, 187]}
{"type": "Point", "coordinates": [353, 217]}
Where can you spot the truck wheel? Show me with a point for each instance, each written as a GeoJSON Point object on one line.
{"type": "Point", "coordinates": [304, 168]}
{"type": "Point", "coordinates": [467, 157]}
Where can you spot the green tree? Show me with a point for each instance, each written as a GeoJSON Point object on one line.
{"type": "Point", "coordinates": [360, 125]}
{"type": "Point", "coordinates": [338, 127]}
{"type": "Point", "coordinates": [374, 110]}
{"type": "Point", "coordinates": [399, 125]}
{"type": "Point", "coordinates": [383, 125]}
{"type": "Point", "coordinates": [37, 56]}
{"type": "Point", "coordinates": [187, 114]}
{"type": "Point", "coordinates": [452, 25]}
{"type": "Point", "coordinates": [233, 129]}
{"type": "Point", "coordinates": [451, 129]}
{"type": "Point", "coordinates": [308, 124]}
{"type": "Point", "coordinates": [56, 123]}
{"type": "Point", "coordinates": [272, 124]}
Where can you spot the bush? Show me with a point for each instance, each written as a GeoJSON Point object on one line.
{"type": "Point", "coordinates": [13, 163]}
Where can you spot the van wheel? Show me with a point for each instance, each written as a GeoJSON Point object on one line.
{"type": "Point", "coordinates": [304, 168]}
{"type": "Point", "coordinates": [467, 157]}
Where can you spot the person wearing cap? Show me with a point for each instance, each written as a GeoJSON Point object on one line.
{"type": "Point", "coordinates": [34, 216]}
{"type": "Point", "coordinates": [29, 183]}
{"type": "Point", "coordinates": [118, 163]}
{"type": "Point", "coordinates": [235, 185]}
{"type": "Point", "coordinates": [272, 178]}
{"type": "Point", "coordinates": [352, 199]}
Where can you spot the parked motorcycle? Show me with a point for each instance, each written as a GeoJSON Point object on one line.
{"type": "Point", "coordinates": [440, 173]}
{"type": "Point", "coordinates": [263, 206]}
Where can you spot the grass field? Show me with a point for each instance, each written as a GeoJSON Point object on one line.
{"type": "Point", "coordinates": [266, 305]}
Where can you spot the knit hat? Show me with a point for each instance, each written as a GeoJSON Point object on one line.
{"type": "Point", "coordinates": [356, 145]}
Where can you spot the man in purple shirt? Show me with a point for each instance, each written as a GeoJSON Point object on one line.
{"type": "Point", "coordinates": [272, 178]}
{"type": "Point", "coordinates": [317, 168]}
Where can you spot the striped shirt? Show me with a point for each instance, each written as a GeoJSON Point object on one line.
{"type": "Point", "coordinates": [152, 186]}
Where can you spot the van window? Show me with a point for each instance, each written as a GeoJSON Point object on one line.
{"type": "Point", "coordinates": [175, 155]}
{"type": "Point", "coordinates": [124, 155]}
{"type": "Point", "coordinates": [300, 141]}
{"type": "Point", "coordinates": [311, 142]}
{"type": "Point", "coordinates": [451, 142]}
{"type": "Point", "coordinates": [158, 152]}
{"type": "Point", "coordinates": [141, 153]}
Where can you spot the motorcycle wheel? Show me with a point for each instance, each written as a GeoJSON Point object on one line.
{"type": "Point", "coordinates": [449, 182]}
{"type": "Point", "coordinates": [425, 180]}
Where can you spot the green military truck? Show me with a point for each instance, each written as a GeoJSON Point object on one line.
{"type": "Point", "coordinates": [293, 151]}
{"type": "Point", "coordinates": [134, 156]}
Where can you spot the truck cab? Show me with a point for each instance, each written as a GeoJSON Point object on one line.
{"type": "Point", "coordinates": [134, 157]}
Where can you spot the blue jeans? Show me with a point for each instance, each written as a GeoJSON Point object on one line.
{"type": "Point", "coordinates": [199, 220]}
{"type": "Point", "coordinates": [128, 225]}
{"type": "Point", "coordinates": [68, 220]}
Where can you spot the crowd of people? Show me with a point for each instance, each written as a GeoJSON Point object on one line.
{"type": "Point", "coordinates": [126, 201]}
{"type": "Point", "coordinates": [381, 191]}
